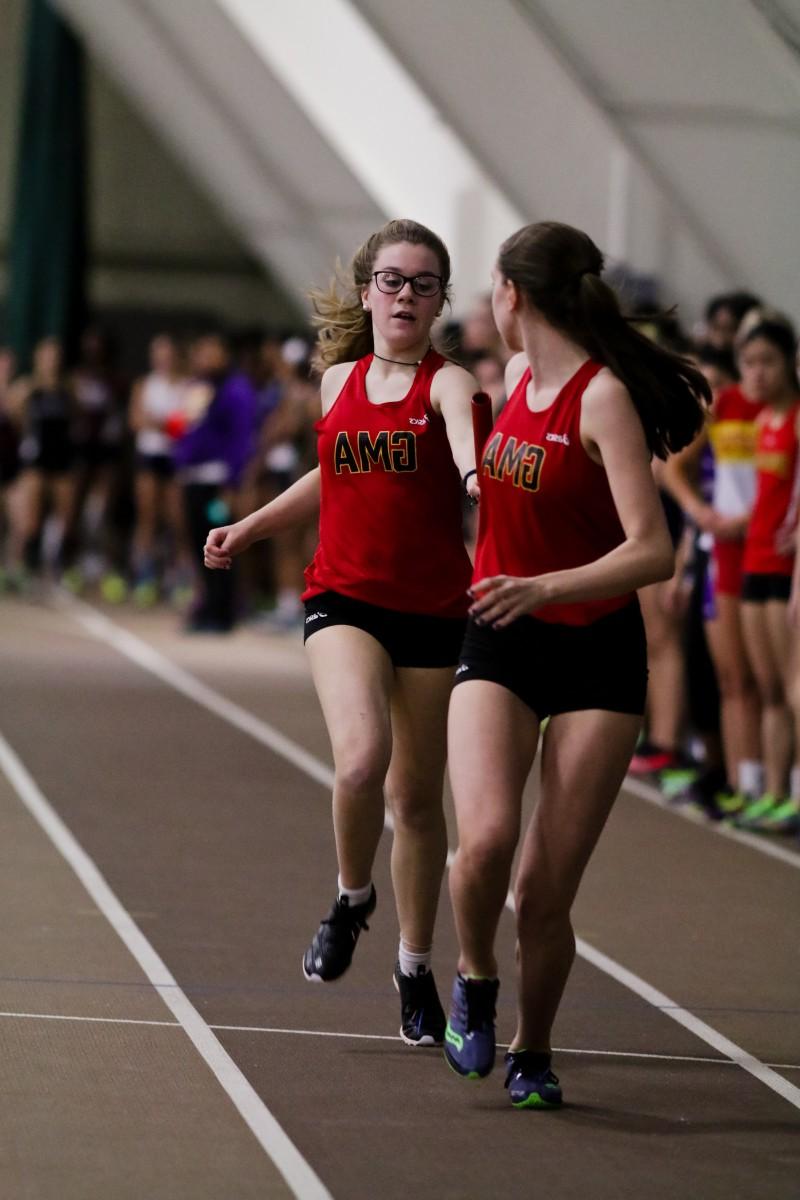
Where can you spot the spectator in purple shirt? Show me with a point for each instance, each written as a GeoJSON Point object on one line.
{"type": "Point", "coordinates": [211, 455]}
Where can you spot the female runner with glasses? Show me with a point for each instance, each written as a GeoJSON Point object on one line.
{"type": "Point", "coordinates": [570, 526]}
{"type": "Point", "coordinates": [386, 591]}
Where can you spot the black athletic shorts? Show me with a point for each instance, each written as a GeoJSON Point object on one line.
{"type": "Point", "coordinates": [160, 465]}
{"type": "Point", "coordinates": [758, 589]}
{"type": "Point", "coordinates": [563, 668]}
{"type": "Point", "coordinates": [410, 639]}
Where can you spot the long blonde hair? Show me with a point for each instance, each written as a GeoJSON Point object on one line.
{"type": "Point", "coordinates": [344, 327]}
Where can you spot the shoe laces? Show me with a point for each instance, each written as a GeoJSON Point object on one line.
{"type": "Point", "coordinates": [531, 1064]}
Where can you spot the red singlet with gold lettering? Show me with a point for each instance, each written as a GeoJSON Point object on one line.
{"type": "Point", "coordinates": [545, 505]}
{"type": "Point", "coordinates": [776, 467]}
{"type": "Point", "coordinates": [390, 527]}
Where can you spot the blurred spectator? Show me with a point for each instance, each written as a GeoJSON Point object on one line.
{"type": "Point", "coordinates": [211, 457]}
{"type": "Point", "coordinates": [767, 356]}
{"type": "Point", "coordinates": [724, 315]}
{"type": "Point", "coordinates": [286, 451]}
{"type": "Point", "coordinates": [99, 437]}
{"type": "Point", "coordinates": [47, 454]}
{"type": "Point", "coordinates": [9, 467]}
{"type": "Point", "coordinates": [479, 336]}
{"type": "Point", "coordinates": [689, 478]}
{"type": "Point", "coordinates": [157, 418]}
{"type": "Point", "coordinates": [661, 752]}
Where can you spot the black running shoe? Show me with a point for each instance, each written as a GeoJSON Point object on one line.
{"type": "Point", "coordinates": [422, 1016]}
{"type": "Point", "coordinates": [332, 946]}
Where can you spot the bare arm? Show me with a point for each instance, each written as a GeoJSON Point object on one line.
{"type": "Point", "coordinates": [451, 395]}
{"type": "Point", "coordinates": [613, 436]}
{"type": "Point", "coordinates": [679, 477]}
{"type": "Point", "coordinates": [297, 505]}
{"type": "Point", "coordinates": [137, 418]}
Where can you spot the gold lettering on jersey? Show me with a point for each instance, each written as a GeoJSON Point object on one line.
{"type": "Point", "coordinates": [374, 452]}
{"type": "Point", "coordinates": [404, 450]}
{"type": "Point", "coordinates": [344, 458]}
{"type": "Point", "coordinates": [521, 462]}
{"type": "Point", "coordinates": [389, 451]}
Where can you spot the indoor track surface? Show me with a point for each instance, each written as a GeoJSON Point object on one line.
{"type": "Point", "coordinates": [167, 853]}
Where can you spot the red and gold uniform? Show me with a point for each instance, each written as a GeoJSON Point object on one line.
{"type": "Point", "coordinates": [732, 433]}
{"type": "Point", "coordinates": [776, 471]}
{"type": "Point", "coordinates": [545, 505]}
{"type": "Point", "coordinates": [390, 517]}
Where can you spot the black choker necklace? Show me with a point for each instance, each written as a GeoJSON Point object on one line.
{"type": "Point", "coordinates": [398, 362]}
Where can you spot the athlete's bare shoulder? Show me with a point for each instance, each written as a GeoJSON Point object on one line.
{"type": "Point", "coordinates": [452, 384]}
{"type": "Point", "coordinates": [608, 413]}
{"type": "Point", "coordinates": [605, 387]}
{"type": "Point", "coordinates": [516, 367]}
{"type": "Point", "coordinates": [332, 382]}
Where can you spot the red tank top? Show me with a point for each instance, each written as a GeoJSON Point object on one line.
{"type": "Point", "coordinates": [390, 528]}
{"type": "Point", "coordinates": [776, 466]}
{"type": "Point", "coordinates": [545, 505]}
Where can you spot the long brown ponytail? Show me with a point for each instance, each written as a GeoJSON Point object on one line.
{"type": "Point", "coordinates": [558, 268]}
{"type": "Point", "coordinates": [344, 328]}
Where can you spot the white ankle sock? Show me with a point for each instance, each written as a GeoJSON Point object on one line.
{"type": "Point", "coordinates": [751, 777]}
{"type": "Point", "coordinates": [355, 895]}
{"type": "Point", "coordinates": [412, 962]}
{"type": "Point", "coordinates": [794, 783]}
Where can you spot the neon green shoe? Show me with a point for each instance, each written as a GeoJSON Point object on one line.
{"type": "Point", "coordinates": [73, 580]}
{"type": "Point", "coordinates": [783, 818]}
{"type": "Point", "coordinates": [755, 813]}
{"type": "Point", "coordinates": [145, 594]}
{"type": "Point", "coordinates": [728, 805]}
{"type": "Point", "coordinates": [113, 589]}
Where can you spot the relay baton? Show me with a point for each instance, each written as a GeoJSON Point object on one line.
{"type": "Point", "coordinates": [482, 421]}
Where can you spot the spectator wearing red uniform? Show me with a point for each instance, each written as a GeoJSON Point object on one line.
{"type": "Point", "coordinates": [767, 364]}
{"type": "Point", "coordinates": [571, 525]}
{"type": "Point", "coordinates": [386, 597]}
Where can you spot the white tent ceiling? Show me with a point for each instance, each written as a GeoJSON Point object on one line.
{"type": "Point", "coordinates": [669, 130]}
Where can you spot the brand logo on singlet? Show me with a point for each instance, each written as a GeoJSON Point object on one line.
{"type": "Point", "coordinates": [521, 462]}
{"type": "Point", "coordinates": [391, 451]}
{"type": "Point", "coordinates": [418, 420]}
{"type": "Point", "coordinates": [561, 438]}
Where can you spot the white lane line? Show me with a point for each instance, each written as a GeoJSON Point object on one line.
{"type": "Point", "coordinates": [299, 1176]}
{"type": "Point", "coordinates": [689, 1021]}
{"type": "Point", "coordinates": [193, 688]}
{"type": "Point", "coordinates": [148, 658]}
{"type": "Point", "coordinates": [381, 1037]}
{"type": "Point", "coordinates": [646, 791]}
{"type": "Point", "coordinates": [27, 1016]}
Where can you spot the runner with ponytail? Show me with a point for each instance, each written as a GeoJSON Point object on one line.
{"type": "Point", "coordinates": [570, 526]}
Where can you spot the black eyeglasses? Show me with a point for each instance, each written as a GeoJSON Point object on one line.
{"type": "Point", "coordinates": [426, 284]}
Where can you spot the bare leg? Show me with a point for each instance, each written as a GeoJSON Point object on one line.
{"type": "Point", "coordinates": [667, 683]}
{"type": "Point", "coordinates": [739, 703]}
{"type": "Point", "coordinates": [492, 744]}
{"type": "Point", "coordinates": [31, 494]}
{"type": "Point", "coordinates": [584, 759]}
{"type": "Point", "coordinates": [414, 793]}
{"type": "Point", "coordinates": [767, 652]}
{"type": "Point", "coordinates": [147, 498]}
{"type": "Point", "coordinates": [354, 679]}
